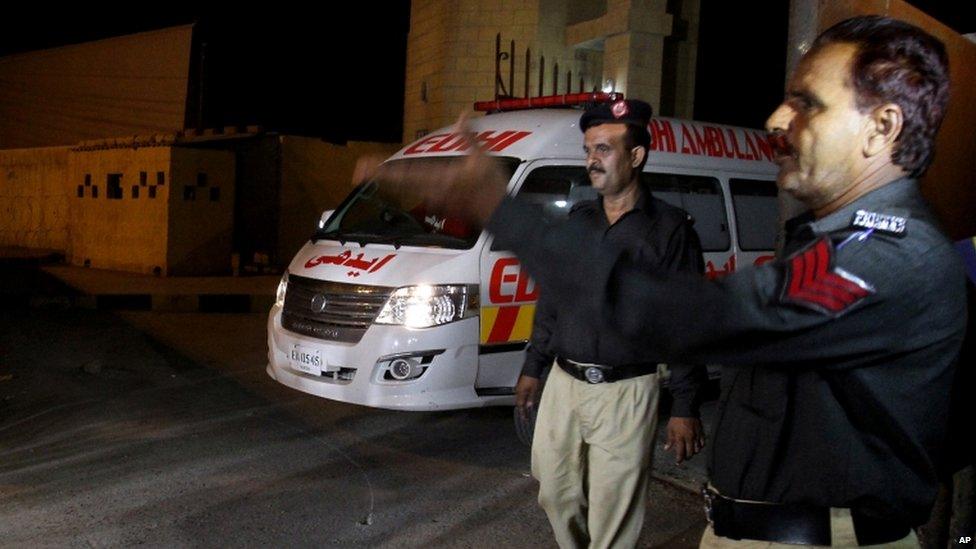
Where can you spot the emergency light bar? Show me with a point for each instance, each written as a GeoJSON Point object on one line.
{"type": "Point", "coordinates": [565, 100]}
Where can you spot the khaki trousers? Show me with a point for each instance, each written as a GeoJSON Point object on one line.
{"type": "Point", "coordinates": [591, 453]}
{"type": "Point", "coordinates": [841, 534]}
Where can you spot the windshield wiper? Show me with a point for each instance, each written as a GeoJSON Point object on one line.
{"type": "Point", "coordinates": [397, 241]}
{"type": "Point", "coordinates": [375, 238]}
{"type": "Point", "coordinates": [439, 239]}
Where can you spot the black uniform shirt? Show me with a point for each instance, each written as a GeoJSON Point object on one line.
{"type": "Point", "coordinates": [655, 236]}
{"type": "Point", "coordinates": [844, 350]}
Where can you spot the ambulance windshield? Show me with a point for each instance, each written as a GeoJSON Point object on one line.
{"type": "Point", "coordinates": [385, 214]}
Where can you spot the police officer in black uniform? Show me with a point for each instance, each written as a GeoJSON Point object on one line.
{"type": "Point", "coordinates": [841, 352]}
{"type": "Point", "coordinates": [593, 440]}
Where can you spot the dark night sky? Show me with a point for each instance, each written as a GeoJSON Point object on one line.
{"type": "Point", "coordinates": [742, 58]}
{"type": "Point", "coordinates": [741, 63]}
{"type": "Point", "coordinates": [339, 74]}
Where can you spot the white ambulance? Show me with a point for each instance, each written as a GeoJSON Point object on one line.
{"type": "Point", "coordinates": [393, 307]}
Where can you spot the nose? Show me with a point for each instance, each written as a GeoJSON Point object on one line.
{"type": "Point", "coordinates": [780, 120]}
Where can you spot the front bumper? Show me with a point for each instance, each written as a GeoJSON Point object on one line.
{"type": "Point", "coordinates": [448, 380]}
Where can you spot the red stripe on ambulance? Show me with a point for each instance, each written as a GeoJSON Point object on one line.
{"type": "Point", "coordinates": [491, 141]}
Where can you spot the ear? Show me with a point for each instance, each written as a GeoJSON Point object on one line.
{"type": "Point", "coordinates": [637, 155]}
{"type": "Point", "coordinates": [884, 126]}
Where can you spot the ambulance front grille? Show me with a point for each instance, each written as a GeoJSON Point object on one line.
{"type": "Point", "coordinates": [332, 311]}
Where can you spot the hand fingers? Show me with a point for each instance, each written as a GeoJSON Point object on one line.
{"type": "Point", "coordinates": [525, 400]}
{"type": "Point", "coordinates": [673, 439]}
{"type": "Point", "coordinates": [679, 453]}
{"type": "Point", "coordinates": [525, 409]}
{"type": "Point", "coordinates": [461, 124]}
{"type": "Point", "coordinates": [676, 443]}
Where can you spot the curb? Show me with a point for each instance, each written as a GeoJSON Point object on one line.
{"type": "Point", "coordinates": [47, 290]}
{"type": "Point", "coordinates": [175, 303]}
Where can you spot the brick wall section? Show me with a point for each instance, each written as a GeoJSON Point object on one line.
{"type": "Point", "coordinates": [201, 212]}
{"type": "Point", "coordinates": [166, 210]}
{"type": "Point", "coordinates": [34, 198]}
{"type": "Point", "coordinates": [426, 63]}
{"type": "Point", "coordinates": [687, 60]}
{"type": "Point", "coordinates": [127, 233]}
{"type": "Point", "coordinates": [451, 47]}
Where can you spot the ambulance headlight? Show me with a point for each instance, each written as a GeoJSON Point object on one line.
{"type": "Point", "coordinates": [282, 289]}
{"type": "Point", "coordinates": [427, 305]}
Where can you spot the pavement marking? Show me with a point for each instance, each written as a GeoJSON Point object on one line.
{"type": "Point", "coordinates": [48, 411]}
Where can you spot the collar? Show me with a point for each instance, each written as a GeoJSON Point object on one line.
{"type": "Point", "coordinates": [901, 193]}
{"type": "Point", "coordinates": [644, 202]}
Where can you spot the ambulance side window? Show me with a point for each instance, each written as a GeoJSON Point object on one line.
{"type": "Point", "coordinates": [552, 191]}
{"type": "Point", "coordinates": [756, 213]}
{"type": "Point", "coordinates": [700, 196]}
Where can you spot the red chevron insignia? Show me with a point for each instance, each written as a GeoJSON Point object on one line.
{"type": "Point", "coordinates": [812, 281]}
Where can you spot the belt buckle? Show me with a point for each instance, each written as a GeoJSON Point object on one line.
{"type": "Point", "coordinates": [593, 375]}
{"type": "Point", "coordinates": [709, 496]}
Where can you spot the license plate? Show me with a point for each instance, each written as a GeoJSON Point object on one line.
{"type": "Point", "coordinates": [307, 360]}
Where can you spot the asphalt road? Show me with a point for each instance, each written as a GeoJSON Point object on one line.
{"type": "Point", "coordinates": [162, 429]}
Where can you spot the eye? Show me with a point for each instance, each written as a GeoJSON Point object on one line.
{"type": "Point", "coordinates": [801, 103]}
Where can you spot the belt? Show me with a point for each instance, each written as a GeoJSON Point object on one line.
{"type": "Point", "coordinates": [790, 523]}
{"type": "Point", "coordinates": [601, 373]}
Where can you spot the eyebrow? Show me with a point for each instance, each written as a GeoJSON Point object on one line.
{"type": "Point", "coordinates": [805, 95]}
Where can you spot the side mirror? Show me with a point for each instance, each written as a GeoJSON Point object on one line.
{"type": "Point", "coordinates": [325, 218]}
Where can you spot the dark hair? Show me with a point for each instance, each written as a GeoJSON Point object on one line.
{"type": "Point", "coordinates": [898, 63]}
{"type": "Point", "coordinates": [637, 136]}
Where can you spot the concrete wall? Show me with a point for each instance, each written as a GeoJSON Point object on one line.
{"type": "Point", "coordinates": [315, 176]}
{"type": "Point", "coordinates": [165, 217]}
{"type": "Point", "coordinates": [34, 198]}
{"type": "Point", "coordinates": [201, 212]}
{"type": "Point", "coordinates": [127, 233]}
{"type": "Point", "coordinates": [950, 184]}
{"type": "Point", "coordinates": [256, 213]}
{"type": "Point", "coordinates": [129, 85]}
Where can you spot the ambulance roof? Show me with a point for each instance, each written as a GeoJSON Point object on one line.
{"type": "Point", "coordinates": [554, 134]}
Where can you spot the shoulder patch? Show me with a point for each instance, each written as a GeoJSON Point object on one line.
{"type": "Point", "coordinates": [812, 281]}
{"type": "Point", "coordinates": [894, 225]}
